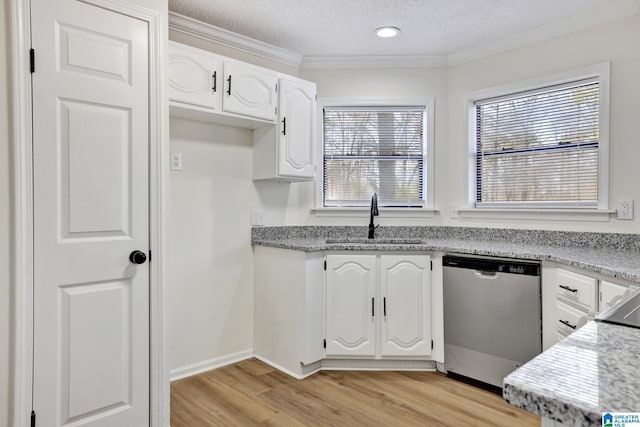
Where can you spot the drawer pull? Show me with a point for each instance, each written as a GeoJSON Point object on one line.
{"type": "Point", "coordinates": [566, 322]}
{"type": "Point", "coordinates": [567, 288]}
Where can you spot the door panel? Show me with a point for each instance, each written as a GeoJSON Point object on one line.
{"type": "Point", "coordinates": [249, 91]}
{"type": "Point", "coordinates": [406, 293]}
{"type": "Point", "coordinates": [90, 150]}
{"type": "Point", "coordinates": [194, 77]}
{"type": "Point", "coordinates": [298, 114]}
{"type": "Point", "coordinates": [351, 291]}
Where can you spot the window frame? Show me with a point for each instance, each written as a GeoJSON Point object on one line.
{"type": "Point", "coordinates": [599, 71]}
{"type": "Point", "coordinates": [428, 178]}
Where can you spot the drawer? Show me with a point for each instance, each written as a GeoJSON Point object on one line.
{"type": "Point", "coordinates": [579, 289]}
{"type": "Point", "coordinates": [569, 318]}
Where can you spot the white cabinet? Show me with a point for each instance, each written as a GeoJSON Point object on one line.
{"type": "Point", "coordinates": [610, 294]}
{"type": "Point", "coordinates": [286, 152]}
{"type": "Point", "coordinates": [249, 90]}
{"type": "Point", "coordinates": [351, 305]}
{"type": "Point", "coordinates": [288, 319]}
{"type": "Point", "coordinates": [378, 306]}
{"type": "Point", "coordinates": [578, 298]}
{"type": "Point", "coordinates": [194, 77]}
{"type": "Point", "coordinates": [406, 297]}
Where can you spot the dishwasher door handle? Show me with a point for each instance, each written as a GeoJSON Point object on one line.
{"type": "Point", "coordinates": [485, 274]}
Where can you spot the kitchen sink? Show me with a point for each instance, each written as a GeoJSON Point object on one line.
{"type": "Point", "coordinates": [626, 312]}
{"type": "Point", "coordinates": [376, 241]}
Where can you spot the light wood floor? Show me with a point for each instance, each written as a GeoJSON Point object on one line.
{"type": "Point", "coordinates": [253, 393]}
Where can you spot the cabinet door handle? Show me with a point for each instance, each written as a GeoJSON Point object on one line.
{"type": "Point", "coordinates": [384, 306]}
{"type": "Point", "coordinates": [215, 81]}
{"type": "Point", "coordinates": [373, 307]}
{"type": "Point", "coordinates": [567, 288]}
{"type": "Point", "coordinates": [566, 322]}
{"type": "Point", "coordinates": [229, 88]}
{"type": "Point", "coordinates": [284, 126]}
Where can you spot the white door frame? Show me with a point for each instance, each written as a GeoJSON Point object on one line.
{"type": "Point", "coordinates": [23, 206]}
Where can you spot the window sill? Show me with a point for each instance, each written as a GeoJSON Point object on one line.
{"type": "Point", "coordinates": [351, 212]}
{"type": "Point", "coordinates": [601, 215]}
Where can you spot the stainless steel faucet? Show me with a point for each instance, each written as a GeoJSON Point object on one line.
{"type": "Point", "coordinates": [374, 212]}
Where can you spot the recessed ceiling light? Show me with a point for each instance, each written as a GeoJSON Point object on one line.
{"type": "Point", "coordinates": [387, 32]}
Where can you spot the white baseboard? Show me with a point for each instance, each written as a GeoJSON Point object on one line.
{"type": "Point", "coordinates": [207, 365]}
{"type": "Point", "coordinates": [306, 370]}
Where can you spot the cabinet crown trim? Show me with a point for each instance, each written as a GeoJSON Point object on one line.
{"type": "Point", "coordinates": [192, 27]}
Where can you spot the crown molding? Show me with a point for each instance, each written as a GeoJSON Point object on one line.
{"type": "Point", "coordinates": [375, 61]}
{"type": "Point", "coordinates": [208, 32]}
{"type": "Point", "coordinates": [561, 28]}
{"type": "Point", "coordinates": [192, 27]}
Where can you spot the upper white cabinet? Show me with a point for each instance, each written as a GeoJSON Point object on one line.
{"type": "Point", "coordinates": [249, 90]}
{"type": "Point", "coordinates": [378, 306]}
{"type": "Point", "coordinates": [280, 108]}
{"type": "Point", "coordinates": [194, 77]}
{"type": "Point", "coordinates": [286, 152]}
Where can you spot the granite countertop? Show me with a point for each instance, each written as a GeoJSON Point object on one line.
{"type": "Point", "coordinates": [594, 370]}
{"type": "Point", "coordinates": [614, 259]}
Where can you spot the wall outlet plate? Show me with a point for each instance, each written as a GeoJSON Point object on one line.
{"type": "Point", "coordinates": [176, 161]}
{"type": "Point", "coordinates": [624, 209]}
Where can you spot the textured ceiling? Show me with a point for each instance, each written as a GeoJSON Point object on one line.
{"type": "Point", "coordinates": [345, 27]}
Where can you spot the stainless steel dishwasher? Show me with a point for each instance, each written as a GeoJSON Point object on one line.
{"type": "Point", "coordinates": [492, 316]}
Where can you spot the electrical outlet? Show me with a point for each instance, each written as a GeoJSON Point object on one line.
{"type": "Point", "coordinates": [625, 209]}
{"type": "Point", "coordinates": [257, 217]}
{"type": "Point", "coordinates": [176, 161]}
{"type": "Point", "coordinates": [453, 211]}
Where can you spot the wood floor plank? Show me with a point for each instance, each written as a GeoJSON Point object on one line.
{"type": "Point", "coordinates": [252, 393]}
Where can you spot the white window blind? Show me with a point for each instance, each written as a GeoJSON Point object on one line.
{"type": "Point", "coordinates": [539, 148]}
{"type": "Point", "coordinates": [374, 149]}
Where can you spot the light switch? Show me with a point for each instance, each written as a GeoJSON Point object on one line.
{"type": "Point", "coordinates": [257, 217]}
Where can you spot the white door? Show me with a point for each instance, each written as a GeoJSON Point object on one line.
{"type": "Point", "coordinates": [297, 128]}
{"type": "Point", "coordinates": [90, 149]}
{"type": "Point", "coordinates": [610, 294]}
{"type": "Point", "coordinates": [249, 91]}
{"type": "Point", "coordinates": [351, 305]}
{"type": "Point", "coordinates": [406, 300]}
{"type": "Point", "coordinates": [194, 77]}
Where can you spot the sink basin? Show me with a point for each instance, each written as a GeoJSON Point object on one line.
{"type": "Point", "coordinates": [377, 241]}
{"type": "Point", "coordinates": [626, 313]}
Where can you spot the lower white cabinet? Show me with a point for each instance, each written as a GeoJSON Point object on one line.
{"type": "Point", "coordinates": [578, 296]}
{"type": "Point", "coordinates": [610, 294]}
{"type": "Point", "coordinates": [378, 306]}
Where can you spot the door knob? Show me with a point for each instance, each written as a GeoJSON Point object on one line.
{"type": "Point", "coordinates": [137, 257]}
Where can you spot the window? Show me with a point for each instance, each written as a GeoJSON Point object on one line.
{"type": "Point", "coordinates": [539, 148]}
{"type": "Point", "coordinates": [378, 149]}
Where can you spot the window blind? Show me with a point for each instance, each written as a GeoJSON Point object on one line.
{"type": "Point", "coordinates": [539, 148]}
{"type": "Point", "coordinates": [374, 149]}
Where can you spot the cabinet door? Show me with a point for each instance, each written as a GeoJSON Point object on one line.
{"type": "Point", "coordinates": [609, 293]}
{"type": "Point", "coordinates": [351, 286]}
{"type": "Point", "coordinates": [194, 78]}
{"type": "Point", "coordinates": [406, 301]}
{"type": "Point", "coordinates": [297, 126]}
{"type": "Point", "coordinates": [249, 91]}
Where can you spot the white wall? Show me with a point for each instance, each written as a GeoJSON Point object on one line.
{"type": "Point", "coordinates": [209, 294]}
{"type": "Point", "coordinates": [383, 83]}
{"type": "Point", "coordinates": [616, 42]}
{"type": "Point", "coordinates": [5, 225]}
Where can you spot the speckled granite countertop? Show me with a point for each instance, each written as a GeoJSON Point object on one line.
{"type": "Point", "coordinates": [594, 370]}
{"type": "Point", "coordinates": [615, 255]}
